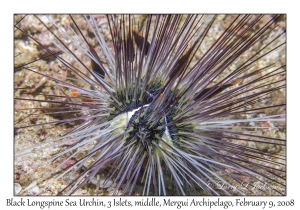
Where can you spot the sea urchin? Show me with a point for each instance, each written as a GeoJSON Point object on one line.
{"type": "Point", "coordinates": [151, 104]}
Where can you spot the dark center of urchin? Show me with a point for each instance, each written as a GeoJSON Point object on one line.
{"type": "Point", "coordinates": [143, 131]}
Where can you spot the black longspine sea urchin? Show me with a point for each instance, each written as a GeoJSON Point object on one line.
{"type": "Point", "coordinates": [147, 110]}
